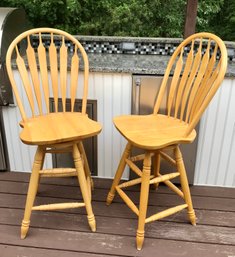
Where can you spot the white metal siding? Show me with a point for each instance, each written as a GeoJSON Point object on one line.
{"type": "Point", "coordinates": [113, 95]}
{"type": "Point", "coordinates": [21, 156]}
{"type": "Point", "coordinates": [216, 146]}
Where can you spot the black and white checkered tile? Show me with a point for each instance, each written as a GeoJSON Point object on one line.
{"type": "Point", "coordinates": [138, 48]}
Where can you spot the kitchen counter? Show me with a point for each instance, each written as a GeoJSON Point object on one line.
{"type": "Point", "coordinates": [128, 63]}
{"type": "Point", "coordinates": [134, 55]}
{"type": "Point", "coordinates": [133, 64]}
{"type": "Point", "coordinates": [136, 64]}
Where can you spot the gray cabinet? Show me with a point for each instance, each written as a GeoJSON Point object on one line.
{"type": "Point", "coordinates": [90, 144]}
{"type": "Point", "coordinates": [3, 161]}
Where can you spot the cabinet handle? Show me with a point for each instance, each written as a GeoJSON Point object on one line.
{"type": "Point", "coordinates": [137, 95]}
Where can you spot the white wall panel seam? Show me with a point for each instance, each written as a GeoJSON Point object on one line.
{"type": "Point", "coordinates": [216, 140]}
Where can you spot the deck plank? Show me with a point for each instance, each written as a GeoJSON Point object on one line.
{"type": "Point", "coordinates": [25, 251]}
{"type": "Point", "coordinates": [106, 184]}
{"type": "Point", "coordinates": [107, 244]}
{"type": "Point", "coordinates": [66, 233]}
{"type": "Point", "coordinates": [204, 217]}
{"type": "Point", "coordinates": [119, 226]}
{"type": "Point", "coordinates": [199, 202]}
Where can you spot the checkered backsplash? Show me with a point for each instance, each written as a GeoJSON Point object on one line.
{"type": "Point", "coordinates": [138, 48]}
{"type": "Point", "coordinates": [119, 47]}
{"type": "Point", "coordinates": [99, 45]}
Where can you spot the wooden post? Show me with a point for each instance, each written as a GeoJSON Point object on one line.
{"type": "Point", "coordinates": [190, 18]}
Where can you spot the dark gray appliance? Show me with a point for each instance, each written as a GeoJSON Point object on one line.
{"type": "Point", "coordinates": [3, 151]}
{"type": "Point", "coordinates": [144, 93]}
{"type": "Point", "coordinates": [12, 22]}
{"type": "Point", "coordinates": [90, 144]}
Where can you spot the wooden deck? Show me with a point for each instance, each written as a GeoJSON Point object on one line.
{"type": "Point", "coordinates": [66, 233]}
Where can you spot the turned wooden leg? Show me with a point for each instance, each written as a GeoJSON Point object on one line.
{"type": "Point", "coordinates": [184, 185]}
{"type": "Point", "coordinates": [87, 172]}
{"type": "Point", "coordinates": [32, 190]}
{"type": "Point", "coordinates": [86, 165]}
{"type": "Point", "coordinates": [118, 175]}
{"type": "Point", "coordinates": [42, 163]}
{"type": "Point", "coordinates": [144, 193]}
{"type": "Point", "coordinates": [84, 188]}
{"type": "Point", "coordinates": [156, 167]}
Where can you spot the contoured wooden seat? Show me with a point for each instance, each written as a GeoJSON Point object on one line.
{"type": "Point", "coordinates": [42, 72]}
{"type": "Point", "coordinates": [197, 66]}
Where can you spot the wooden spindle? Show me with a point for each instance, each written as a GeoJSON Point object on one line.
{"type": "Point", "coordinates": [25, 78]}
{"type": "Point", "coordinates": [194, 70]}
{"type": "Point", "coordinates": [74, 77]}
{"type": "Point", "coordinates": [43, 69]}
{"type": "Point", "coordinates": [63, 72]}
{"type": "Point", "coordinates": [174, 82]}
{"type": "Point", "coordinates": [54, 71]}
{"type": "Point", "coordinates": [34, 74]}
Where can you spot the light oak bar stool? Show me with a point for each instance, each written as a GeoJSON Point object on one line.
{"type": "Point", "coordinates": [43, 74]}
{"type": "Point", "coordinates": [197, 66]}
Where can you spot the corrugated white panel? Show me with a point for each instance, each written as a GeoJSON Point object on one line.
{"type": "Point", "coordinates": [216, 146]}
{"type": "Point", "coordinates": [113, 95]}
{"type": "Point", "coordinates": [21, 156]}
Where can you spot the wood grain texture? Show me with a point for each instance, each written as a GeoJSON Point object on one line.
{"type": "Point", "coordinates": [34, 73]}
{"type": "Point", "coordinates": [25, 79]}
{"type": "Point", "coordinates": [118, 244]}
{"type": "Point", "coordinates": [174, 82]}
{"type": "Point", "coordinates": [58, 127]}
{"type": "Point", "coordinates": [63, 71]}
{"type": "Point", "coordinates": [39, 68]}
{"type": "Point", "coordinates": [115, 234]}
{"type": "Point", "coordinates": [153, 131]}
{"type": "Point", "coordinates": [74, 77]}
{"type": "Point", "coordinates": [156, 132]}
{"type": "Point", "coordinates": [18, 180]}
{"type": "Point", "coordinates": [201, 77]}
{"type": "Point", "coordinates": [54, 71]}
{"type": "Point", "coordinates": [179, 98]}
{"type": "Point", "coordinates": [42, 58]}
{"type": "Point", "coordinates": [49, 131]}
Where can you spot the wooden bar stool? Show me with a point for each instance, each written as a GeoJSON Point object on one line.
{"type": "Point", "coordinates": [197, 66]}
{"type": "Point", "coordinates": [41, 73]}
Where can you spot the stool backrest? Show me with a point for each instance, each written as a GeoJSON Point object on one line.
{"type": "Point", "coordinates": [46, 69]}
{"type": "Point", "coordinates": [196, 70]}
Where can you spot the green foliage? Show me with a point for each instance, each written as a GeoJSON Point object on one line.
{"type": "Point", "coordinates": [224, 23]}
{"type": "Point", "coordinates": [107, 17]}
{"type": "Point", "coordinates": [150, 18]}
{"type": "Point", "coordinates": [42, 12]}
{"type": "Point", "coordinates": [147, 18]}
{"type": "Point", "coordinates": [207, 10]}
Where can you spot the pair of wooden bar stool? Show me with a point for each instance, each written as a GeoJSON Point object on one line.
{"type": "Point", "coordinates": [195, 71]}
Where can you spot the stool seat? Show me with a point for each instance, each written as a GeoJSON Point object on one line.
{"type": "Point", "coordinates": [58, 128]}
{"type": "Point", "coordinates": [153, 131]}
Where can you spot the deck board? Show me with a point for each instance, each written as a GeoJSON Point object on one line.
{"type": "Point", "coordinates": [123, 226]}
{"type": "Point", "coordinates": [204, 191]}
{"type": "Point", "coordinates": [156, 198]}
{"type": "Point", "coordinates": [21, 251]}
{"type": "Point", "coordinates": [66, 233]}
